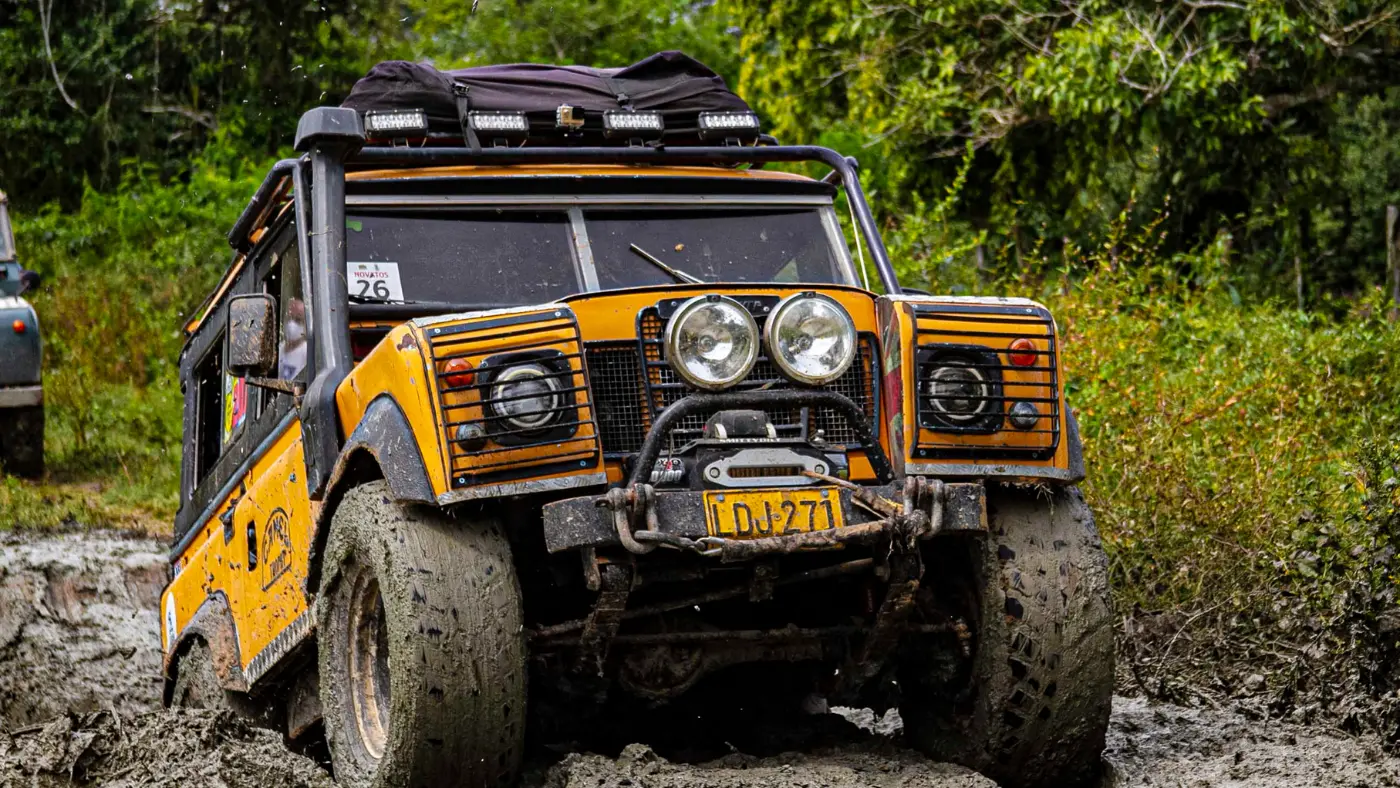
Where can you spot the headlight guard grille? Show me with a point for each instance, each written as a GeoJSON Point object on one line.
{"type": "Point", "coordinates": [549, 338]}
{"type": "Point", "coordinates": [980, 335]}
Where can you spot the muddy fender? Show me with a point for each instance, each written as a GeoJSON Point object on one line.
{"type": "Point", "coordinates": [212, 624]}
{"type": "Point", "coordinates": [385, 434]}
{"type": "Point", "coordinates": [382, 446]}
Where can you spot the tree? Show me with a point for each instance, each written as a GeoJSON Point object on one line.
{"type": "Point", "coordinates": [585, 32]}
{"type": "Point", "coordinates": [88, 84]}
{"type": "Point", "coordinates": [1247, 117]}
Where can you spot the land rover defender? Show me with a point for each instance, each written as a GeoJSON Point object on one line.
{"type": "Point", "coordinates": [562, 378]}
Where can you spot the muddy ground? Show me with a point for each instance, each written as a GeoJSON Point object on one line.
{"type": "Point", "coordinates": [80, 686]}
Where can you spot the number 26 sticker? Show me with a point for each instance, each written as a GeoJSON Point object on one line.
{"type": "Point", "coordinates": [374, 281]}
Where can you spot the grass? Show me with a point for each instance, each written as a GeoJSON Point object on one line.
{"type": "Point", "coordinates": [1243, 462]}
{"type": "Point", "coordinates": [120, 275]}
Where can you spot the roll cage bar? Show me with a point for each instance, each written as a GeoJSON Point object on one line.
{"type": "Point", "coordinates": [332, 141]}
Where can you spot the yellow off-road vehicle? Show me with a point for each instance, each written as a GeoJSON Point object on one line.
{"type": "Point", "coordinates": [543, 377]}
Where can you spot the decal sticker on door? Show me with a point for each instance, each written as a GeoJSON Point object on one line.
{"type": "Point", "coordinates": [277, 548]}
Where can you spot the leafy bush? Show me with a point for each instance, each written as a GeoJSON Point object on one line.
{"type": "Point", "coordinates": [1243, 467]}
{"type": "Point", "coordinates": [121, 274]}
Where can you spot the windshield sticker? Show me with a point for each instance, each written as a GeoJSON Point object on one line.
{"type": "Point", "coordinates": [374, 281]}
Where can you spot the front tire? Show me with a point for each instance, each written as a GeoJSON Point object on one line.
{"type": "Point", "coordinates": [22, 441]}
{"type": "Point", "coordinates": [421, 647]}
{"type": "Point", "coordinates": [1030, 709]}
{"type": "Point", "coordinates": [196, 684]}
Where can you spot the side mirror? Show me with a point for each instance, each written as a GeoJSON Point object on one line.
{"type": "Point", "coordinates": [252, 336]}
{"type": "Point", "coordinates": [28, 281]}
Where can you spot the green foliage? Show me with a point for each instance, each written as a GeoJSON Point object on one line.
{"type": "Point", "coordinates": [122, 271]}
{"type": "Point", "coordinates": [585, 32]}
{"type": "Point", "coordinates": [1243, 469]}
{"type": "Point", "coordinates": [1272, 121]}
{"type": "Point", "coordinates": [155, 81]}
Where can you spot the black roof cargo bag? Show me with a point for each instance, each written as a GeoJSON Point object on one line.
{"type": "Point", "coordinates": [672, 83]}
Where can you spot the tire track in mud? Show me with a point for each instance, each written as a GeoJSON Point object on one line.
{"type": "Point", "coordinates": [80, 692]}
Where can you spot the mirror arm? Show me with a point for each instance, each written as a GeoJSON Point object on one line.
{"type": "Point", "coordinates": [295, 388]}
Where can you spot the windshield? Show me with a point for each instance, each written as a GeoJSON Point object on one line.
{"type": "Point", "coordinates": [510, 257]}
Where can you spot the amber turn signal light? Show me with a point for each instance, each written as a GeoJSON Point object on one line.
{"type": "Point", "coordinates": [458, 373]}
{"type": "Point", "coordinates": [18, 326]}
{"type": "Point", "coordinates": [1022, 352]}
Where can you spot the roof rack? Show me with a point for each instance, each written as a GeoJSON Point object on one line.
{"type": "Point", "coordinates": [844, 172]}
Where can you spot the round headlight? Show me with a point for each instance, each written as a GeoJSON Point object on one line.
{"type": "Point", "coordinates": [811, 338]}
{"type": "Point", "coordinates": [712, 342]}
{"type": "Point", "coordinates": [526, 397]}
{"type": "Point", "coordinates": [960, 392]}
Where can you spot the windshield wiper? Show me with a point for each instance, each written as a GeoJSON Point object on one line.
{"type": "Point", "coordinates": [359, 299]}
{"type": "Point", "coordinates": [677, 274]}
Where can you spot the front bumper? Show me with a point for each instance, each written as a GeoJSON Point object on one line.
{"type": "Point", "coordinates": [677, 519]}
{"type": "Point", "coordinates": [21, 396]}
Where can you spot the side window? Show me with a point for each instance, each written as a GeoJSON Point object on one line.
{"type": "Point", "coordinates": [291, 350]}
{"type": "Point", "coordinates": [209, 410]}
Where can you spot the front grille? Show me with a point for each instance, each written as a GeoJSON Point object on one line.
{"type": "Point", "coordinates": [621, 388]}
{"type": "Point", "coordinates": [976, 337]}
{"type": "Point", "coordinates": [616, 378]}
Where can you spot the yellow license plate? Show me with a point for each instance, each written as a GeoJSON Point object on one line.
{"type": "Point", "coordinates": [756, 515]}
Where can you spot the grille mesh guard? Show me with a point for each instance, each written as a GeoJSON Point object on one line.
{"type": "Point", "coordinates": [632, 382]}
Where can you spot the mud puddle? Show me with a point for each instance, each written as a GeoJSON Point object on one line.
{"type": "Point", "coordinates": [80, 686]}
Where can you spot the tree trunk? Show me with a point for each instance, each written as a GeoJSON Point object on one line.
{"type": "Point", "coordinates": [1392, 258]}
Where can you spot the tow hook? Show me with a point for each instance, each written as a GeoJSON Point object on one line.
{"type": "Point", "coordinates": [918, 516]}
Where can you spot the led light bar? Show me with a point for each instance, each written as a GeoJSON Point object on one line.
{"type": "Point", "coordinates": [402, 122]}
{"type": "Point", "coordinates": [723, 125]}
{"type": "Point", "coordinates": [499, 122]}
{"type": "Point", "coordinates": [626, 123]}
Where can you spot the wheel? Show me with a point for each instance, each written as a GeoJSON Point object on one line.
{"type": "Point", "coordinates": [1029, 705]}
{"type": "Point", "coordinates": [197, 685]}
{"type": "Point", "coordinates": [421, 647]}
{"type": "Point", "coordinates": [22, 441]}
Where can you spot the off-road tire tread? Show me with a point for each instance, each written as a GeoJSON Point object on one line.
{"type": "Point", "coordinates": [1042, 672]}
{"type": "Point", "coordinates": [457, 650]}
{"type": "Point", "coordinates": [22, 441]}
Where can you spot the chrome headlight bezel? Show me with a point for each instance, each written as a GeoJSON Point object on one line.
{"type": "Point", "coordinates": [986, 366]}
{"type": "Point", "coordinates": [774, 324]}
{"type": "Point", "coordinates": [675, 354]}
{"type": "Point", "coordinates": [556, 421]}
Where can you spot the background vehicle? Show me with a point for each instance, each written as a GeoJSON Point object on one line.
{"type": "Point", "coordinates": [499, 386]}
{"type": "Point", "coordinates": [21, 383]}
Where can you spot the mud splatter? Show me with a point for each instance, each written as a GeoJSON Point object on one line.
{"type": "Point", "coordinates": [80, 686]}
{"type": "Point", "coordinates": [156, 749]}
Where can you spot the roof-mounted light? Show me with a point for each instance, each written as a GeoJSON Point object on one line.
{"type": "Point", "coordinates": [504, 123]}
{"type": "Point", "coordinates": [728, 125]}
{"type": "Point", "coordinates": [396, 122]}
{"type": "Point", "coordinates": [628, 123]}
{"type": "Point", "coordinates": [567, 117]}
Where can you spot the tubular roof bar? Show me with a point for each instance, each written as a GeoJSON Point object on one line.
{"type": "Point", "coordinates": [238, 236]}
{"type": "Point", "coordinates": [381, 157]}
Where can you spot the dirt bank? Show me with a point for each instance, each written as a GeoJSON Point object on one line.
{"type": "Point", "coordinates": [78, 625]}
{"type": "Point", "coordinates": [78, 634]}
